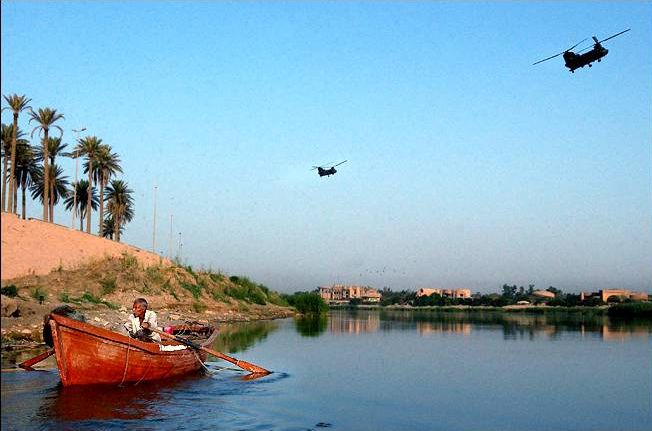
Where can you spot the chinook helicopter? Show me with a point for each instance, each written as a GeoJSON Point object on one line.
{"type": "Point", "coordinates": [327, 170]}
{"type": "Point", "coordinates": [575, 60]}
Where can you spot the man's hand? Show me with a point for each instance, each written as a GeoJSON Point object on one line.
{"type": "Point", "coordinates": [145, 325]}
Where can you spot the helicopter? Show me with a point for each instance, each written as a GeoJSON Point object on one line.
{"type": "Point", "coordinates": [576, 60]}
{"type": "Point", "coordinates": [327, 170]}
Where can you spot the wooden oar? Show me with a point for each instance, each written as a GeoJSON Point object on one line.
{"type": "Point", "coordinates": [27, 365]}
{"type": "Point", "coordinates": [240, 363]}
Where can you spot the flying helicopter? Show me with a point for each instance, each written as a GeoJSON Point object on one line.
{"type": "Point", "coordinates": [327, 170]}
{"type": "Point", "coordinates": [575, 60]}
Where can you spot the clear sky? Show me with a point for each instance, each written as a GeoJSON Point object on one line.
{"type": "Point", "coordinates": [467, 166]}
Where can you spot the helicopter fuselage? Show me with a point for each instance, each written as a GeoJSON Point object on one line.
{"type": "Point", "coordinates": [575, 61]}
{"type": "Point", "coordinates": [326, 172]}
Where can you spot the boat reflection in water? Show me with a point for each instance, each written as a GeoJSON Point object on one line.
{"type": "Point", "coordinates": [105, 402]}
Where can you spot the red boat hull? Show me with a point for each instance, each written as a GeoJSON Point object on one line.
{"type": "Point", "coordinates": [87, 354]}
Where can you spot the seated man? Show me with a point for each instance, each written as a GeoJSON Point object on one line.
{"type": "Point", "coordinates": [141, 321]}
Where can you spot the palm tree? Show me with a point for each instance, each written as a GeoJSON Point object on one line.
{"type": "Point", "coordinates": [55, 148]}
{"type": "Point", "coordinates": [57, 183]}
{"type": "Point", "coordinates": [45, 118]}
{"type": "Point", "coordinates": [17, 104]}
{"type": "Point", "coordinates": [26, 168]}
{"type": "Point", "coordinates": [7, 139]}
{"type": "Point", "coordinates": [82, 200]}
{"type": "Point", "coordinates": [89, 147]}
{"type": "Point", "coordinates": [109, 227]}
{"type": "Point", "coordinates": [107, 164]}
{"type": "Point", "coordinates": [120, 205]}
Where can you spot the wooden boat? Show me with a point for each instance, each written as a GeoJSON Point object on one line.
{"type": "Point", "coordinates": [87, 354]}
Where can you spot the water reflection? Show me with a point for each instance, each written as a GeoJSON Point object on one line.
{"type": "Point", "coordinates": [311, 326]}
{"type": "Point", "coordinates": [238, 337]}
{"type": "Point", "coordinates": [514, 325]}
{"type": "Point", "coordinates": [84, 403]}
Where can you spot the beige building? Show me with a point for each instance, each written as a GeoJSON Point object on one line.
{"type": "Point", "coordinates": [448, 293]}
{"type": "Point", "coordinates": [345, 293]}
{"type": "Point", "coordinates": [605, 294]}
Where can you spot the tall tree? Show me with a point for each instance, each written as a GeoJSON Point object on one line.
{"type": "Point", "coordinates": [17, 104]}
{"type": "Point", "coordinates": [107, 164]}
{"type": "Point", "coordinates": [82, 200]}
{"type": "Point", "coordinates": [55, 147]}
{"type": "Point", "coordinates": [59, 186]}
{"type": "Point", "coordinates": [46, 117]}
{"type": "Point", "coordinates": [7, 139]}
{"type": "Point", "coordinates": [109, 227]}
{"type": "Point", "coordinates": [89, 147]}
{"type": "Point", "coordinates": [120, 205]}
{"type": "Point", "coordinates": [26, 168]}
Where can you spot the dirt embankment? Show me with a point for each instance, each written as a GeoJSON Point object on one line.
{"type": "Point", "coordinates": [45, 265]}
{"type": "Point", "coordinates": [32, 247]}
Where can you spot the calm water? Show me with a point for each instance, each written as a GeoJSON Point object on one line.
{"type": "Point", "coordinates": [374, 370]}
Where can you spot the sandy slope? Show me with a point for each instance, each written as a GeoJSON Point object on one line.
{"type": "Point", "coordinates": [35, 247]}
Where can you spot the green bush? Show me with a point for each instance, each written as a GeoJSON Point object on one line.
{"type": "Point", "coordinates": [198, 307]}
{"type": "Point", "coordinates": [10, 290]}
{"type": "Point", "coordinates": [307, 303]}
{"type": "Point", "coordinates": [64, 297]}
{"type": "Point", "coordinates": [246, 290]}
{"type": "Point", "coordinates": [128, 261]}
{"type": "Point", "coordinates": [631, 310]}
{"type": "Point", "coordinates": [192, 288]}
{"type": "Point", "coordinates": [38, 293]}
{"type": "Point", "coordinates": [108, 285]}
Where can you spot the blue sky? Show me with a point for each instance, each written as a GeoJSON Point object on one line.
{"type": "Point", "coordinates": [467, 166]}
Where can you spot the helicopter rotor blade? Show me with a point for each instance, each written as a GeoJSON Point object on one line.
{"type": "Point", "coordinates": [549, 58]}
{"type": "Point", "coordinates": [556, 55]}
{"type": "Point", "coordinates": [340, 163]}
{"type": "Point", "coordinates": [617, 34]}
{"type": "Point", "coordinates": [575, 45]}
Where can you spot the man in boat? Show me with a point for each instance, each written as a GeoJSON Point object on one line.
{"type": "Point", "coordinates": [141, 321]}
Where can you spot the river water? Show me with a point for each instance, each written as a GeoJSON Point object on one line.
{"type": "Point", "coordinates": [378, 370]}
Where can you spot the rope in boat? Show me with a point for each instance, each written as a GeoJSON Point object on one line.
{"type": "Point", "coordinates": [124, 374]}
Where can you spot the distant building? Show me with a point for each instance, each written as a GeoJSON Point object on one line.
{"type": "Point", "coordinates": [607, 293]}
{"type": "Point", "coordinates": [448, 293]}
{"type": "Point", "coordinates": [543, 294]}
{"type": "Point", "coordinates": [345, 293]}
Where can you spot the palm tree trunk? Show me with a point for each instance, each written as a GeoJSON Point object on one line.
{"type": "Point", "coordinates": [12, 173]}
{"type": "Point", "coordinates": [23, 196]}
{"type": "Point", "coordinates": [81, 220]}
{"type": "Point", "coordinates": [4, 184]}
{"type": "Point", "coordinates": [15, 195]}
{"type": "Point", "coordinates": [89, 207]}
{"type": "Point", "coordinates": [102, 205]}
{"type": "Point", "coordinates": [51, 206]}
{"type": "Point", "coordinates": [46, 176]}
{"type": "Point", "coordinates": [116, 227]}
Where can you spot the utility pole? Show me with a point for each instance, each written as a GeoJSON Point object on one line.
{"type": "Point", "coordinates": [180, 248]}
{"type": "Point", "coordinates": [154, 223]}
{"type": "Point", "coordinates": [74, 204]}
{"type": "Point", "coordinates": [170, 242]}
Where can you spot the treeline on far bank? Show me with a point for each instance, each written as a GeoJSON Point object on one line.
{"type": "Point", "coordinates": [510, 295]}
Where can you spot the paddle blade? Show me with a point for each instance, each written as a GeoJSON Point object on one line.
{"type": "Point", "coordinates": [242, 364]}
{"type": "Point", "coordinates": [27, 365]}
{"type": "Point", "coordinates": [253, 376]}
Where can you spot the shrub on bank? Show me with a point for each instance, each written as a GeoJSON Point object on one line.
{"type": "Point", "coordinates": [631, 310]}
{"type": "Point", "coordinates": [307, 303]}
{"type": "Point", "coordinates": [10, 290]}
